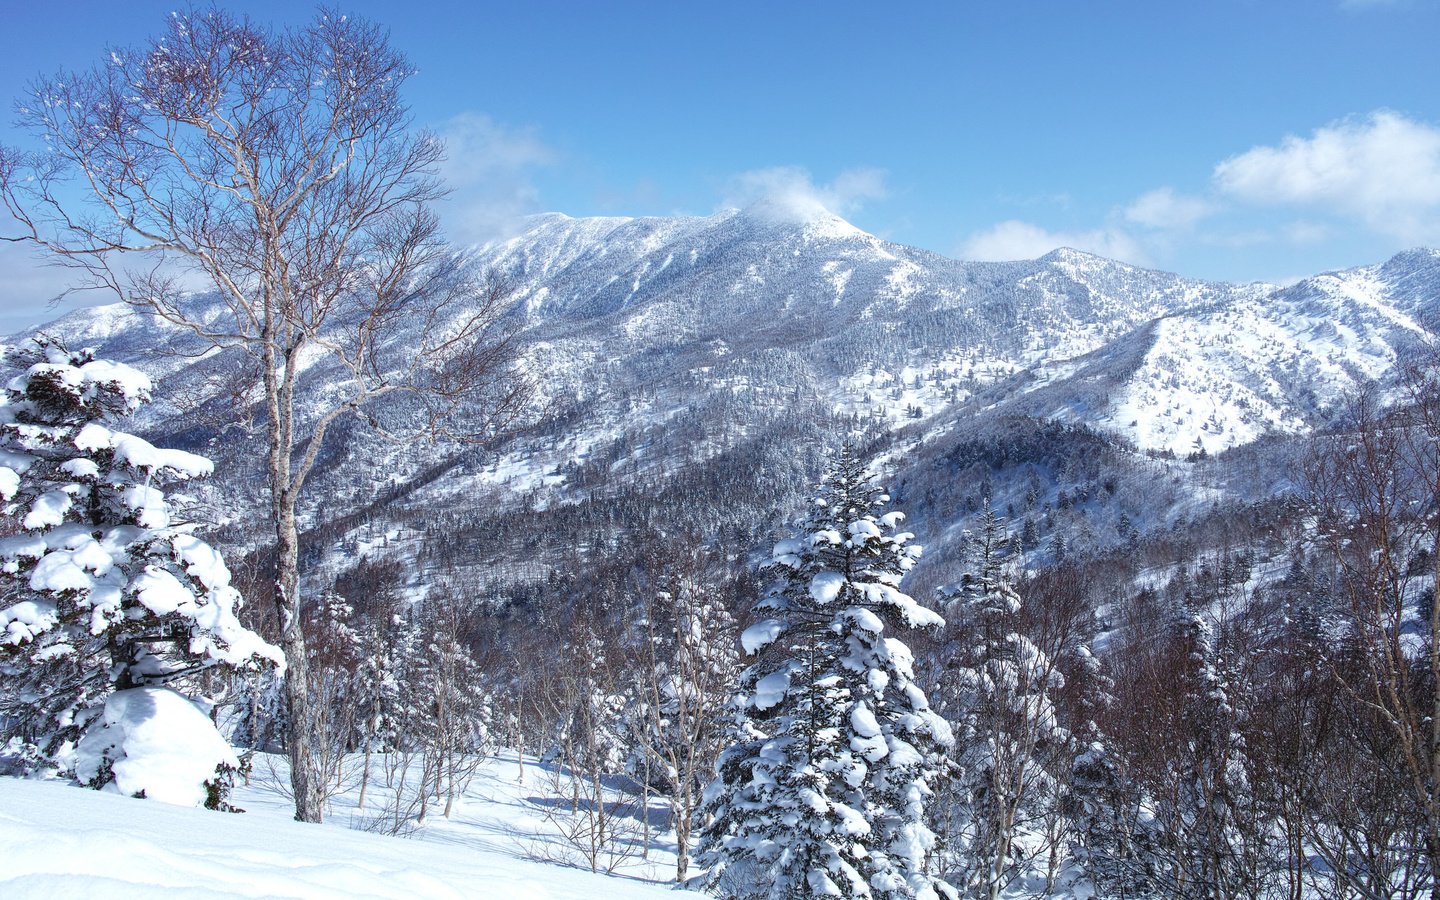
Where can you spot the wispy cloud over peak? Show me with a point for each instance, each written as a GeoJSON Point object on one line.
{"type": "Point", "coordinates": [488, 168]}
{"type": "Point", "coordinates": [790, 192]}
{"type": "Point", "coordinates": [1022, 240]}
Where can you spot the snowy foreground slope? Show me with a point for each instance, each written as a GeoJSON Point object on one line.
{"type": "Point", "coordinates": [61, 841]}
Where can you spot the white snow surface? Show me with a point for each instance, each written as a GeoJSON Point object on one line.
{"type": "Point", "coordinates": [60, 841]}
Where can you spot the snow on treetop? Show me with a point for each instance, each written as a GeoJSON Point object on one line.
{"type": "Point", "coordinates": [771, 689]}
{"type": "Point", "coordinates": [862, 719]}
{"type": "Point", "coordinates": [825, 587]}
{"type": "Point", "coordinates": [48, 510]}
{"type": "Point", "coordinates": [864, 619]}
{"type": "Point", "coordinates": [9, 483]}
{"type": "Point", "coordinates": [911, 612]}
{"type": "Point", "coordinates": [12, 459]}
{"type": "Point", "coordinates": [74, 566]}
{"type": "Point", "coordinates": [81, 376]}
{"type": "Point", "coordinates": [161, 592]}
{"type": "Point", "coordinates": [21, 622]}
{"type": "Point", "coordinates": [201, 561]}
{"type": "Point", "coordinates": [787, 552]}
{"type": "Point", "coordinates": [133, 384]}
{"type": "Point", "coordinates": [20, 546]}
{"type": "Point", "coordinates": [863, 529]}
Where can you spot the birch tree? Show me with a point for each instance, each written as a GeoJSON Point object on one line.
{"type": "Point", "coordinates": [278, 171]}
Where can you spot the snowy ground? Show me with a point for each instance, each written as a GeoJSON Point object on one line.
{"type": "Point", "coordinates": [59, 841]}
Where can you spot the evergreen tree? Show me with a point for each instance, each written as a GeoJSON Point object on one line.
{"type": "Point", "coordinates": [1114, 840]}
{"type": "Point", "coordinates": [834, 748]}
{"type": "Point", "coordinates": [457, 709]}
{"type": "Point", "coordinates": [102, 589]}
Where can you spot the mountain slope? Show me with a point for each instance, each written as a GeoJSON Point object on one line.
{"type": "Point", "coordinates": [1222, 377]}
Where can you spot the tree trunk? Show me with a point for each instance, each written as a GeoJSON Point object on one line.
{"type": "Point", "coordinates": [307, 787]}
{"type": "Point", "coordinates": [519, 748]}
{"type": "Point", "coordinates": [645, 808]}
{"type": "Point", "coordinates": [364, 779]}
{"type": "Point", "coordinates": [372, 725]}
{"type": "Point", "coordinates": [681, 816]}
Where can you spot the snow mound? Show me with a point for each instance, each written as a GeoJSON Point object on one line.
{"type": "Point", "coordinates": [156, 743]}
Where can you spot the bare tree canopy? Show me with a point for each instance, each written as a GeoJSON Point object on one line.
{"type": "Point", "coordinates": [278, 171]}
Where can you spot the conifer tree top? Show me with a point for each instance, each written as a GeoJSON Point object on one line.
{"type": "Point", "coordinates": [849, 555]}
{"type": "Point", "coordinates": [100, 552]}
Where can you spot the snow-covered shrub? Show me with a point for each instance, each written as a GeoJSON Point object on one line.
{"type": "Point", "coordinates": [101, 589]}
{"type": "Point", "coordinates": [152, 742]}
{"type": "Point", "coordinates": [834, 748]}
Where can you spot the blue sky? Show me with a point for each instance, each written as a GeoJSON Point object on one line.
{"type": "Point", "coordinates": [1230, 139]}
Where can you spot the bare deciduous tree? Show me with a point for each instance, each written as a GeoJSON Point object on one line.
{"type": "Point", "coordinates": [691, 662]}
{"type": "Point", "coordinates": [1376, 486]}
{"type": "Point", "coordinates": [279, 171]}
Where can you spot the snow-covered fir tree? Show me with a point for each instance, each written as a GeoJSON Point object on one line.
{"type": "Point", "coordinates": [102, 590]}
{"type": "Point", "coordinates": [1112, 833]}
{"type": "Point", "coordinates": [455, 731]}
{"type": "Point", "coordinates": [834, 749]}
{"type": "Point", "coordinates": [387, 641]}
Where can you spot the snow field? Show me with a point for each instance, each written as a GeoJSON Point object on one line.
{"type": "Point", "coordinates": [59, 841]}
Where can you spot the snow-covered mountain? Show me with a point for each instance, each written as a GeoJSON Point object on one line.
{"type": "Point", "coordinates": [883, 330]}
{"type": "Point", "coordinates": [663, 343]}
{"type": "Point", "coordinates": [865, 311]}
{"type": "Point", "coordinates": [1221, 377]}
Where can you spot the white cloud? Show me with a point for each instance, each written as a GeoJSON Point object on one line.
{"type": "Point", "coordinates": [1378, 173]}
{"type": "Point", "coordinates": [1022, 240]}
{"type": "Point", "coordinates": [487, 168]}
{"type": "Point", "coordinates": [1383, 171]}
{"type": "Point", "coordinates": [36, 288]}
{"type": "Point", "coordinates": [790, 191]}
{"type": "Point", "coordinates": [1164, 209]}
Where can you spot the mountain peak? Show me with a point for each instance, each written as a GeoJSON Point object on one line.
{"type": "Point", "coordinates": [1072, 256]}
{"type": "Point", "coordinates": [808, 213]}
